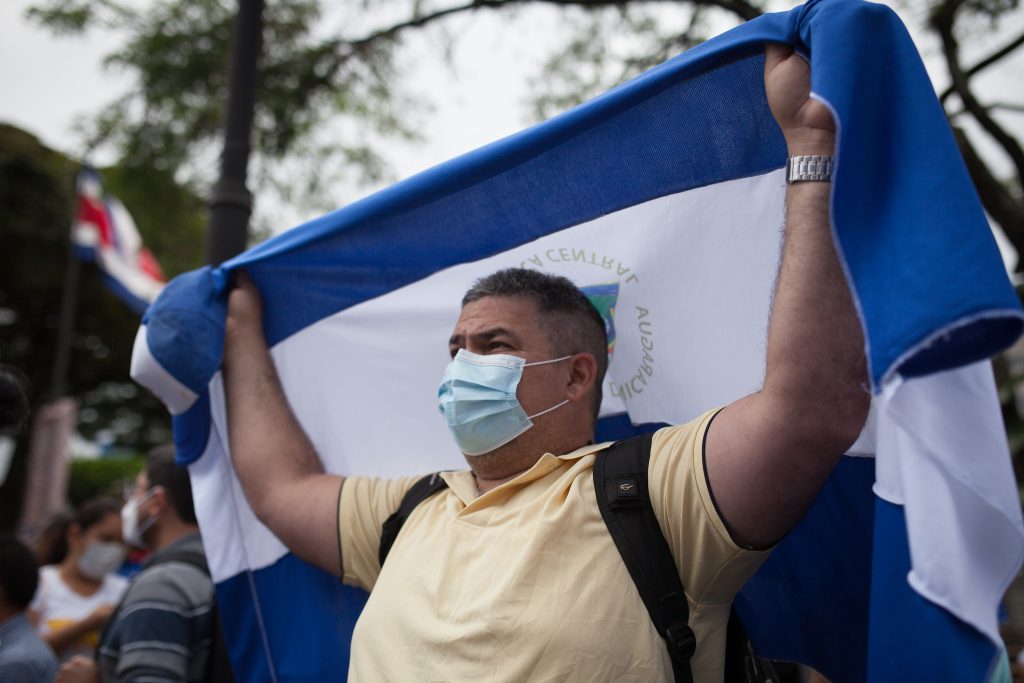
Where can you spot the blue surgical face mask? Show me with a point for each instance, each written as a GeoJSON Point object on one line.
{"type": "Point", "coordinates": [478, 400]}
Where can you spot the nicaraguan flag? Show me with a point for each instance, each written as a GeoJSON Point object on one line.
{"type": "Point", "coordinates": [664, 199]}
{"type": "Point", "coordinates": [105, 233]}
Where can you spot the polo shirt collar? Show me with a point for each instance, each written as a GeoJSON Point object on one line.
{"type": "Point", "coordinates": [463, 483]}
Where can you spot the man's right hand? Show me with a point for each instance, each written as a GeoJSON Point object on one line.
{"type": "Point", "coordinates": [280, 472]}
{"type": "Point", "coordinates": [245, 309]}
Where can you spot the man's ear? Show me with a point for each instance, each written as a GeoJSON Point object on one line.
{"type": "Point", "coordinates": [582, 375]}
{"type": "Point", "coordinates": [159, 501]}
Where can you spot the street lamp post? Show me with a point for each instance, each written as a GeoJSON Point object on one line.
{"type": "Point", "coordinates": [230, 199]}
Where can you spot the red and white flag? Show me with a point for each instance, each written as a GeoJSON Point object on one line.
{"type": "Point", "coordinates": [105, 233]}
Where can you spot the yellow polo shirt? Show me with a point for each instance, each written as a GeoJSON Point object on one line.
{"type": "Point", "coordinates": [524, 583]}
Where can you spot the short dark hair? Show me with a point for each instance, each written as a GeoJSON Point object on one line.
{"type": "Point", "coordinates": [162, 471]}
{"type": "Point", "coordinates": [19, 575]}
{"type": "Point", "coordinates": [87, 515]}
{"type": "Point", "coordinates": [13, 401]}
{"type": "Point", "coordinates": [52, 541]}
{"type": "Point", "coordinates": [93, 511]}
{"type": "Point", "coordinates": [567, 317]}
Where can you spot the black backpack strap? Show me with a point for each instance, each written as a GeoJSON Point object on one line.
{"type": "Point", "coordinates": [620, 482]}
{"type": "Point", "coordinates": [420, 491]}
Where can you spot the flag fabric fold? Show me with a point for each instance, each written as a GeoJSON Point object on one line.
{"type": "Point", "coordinates": [105, 233]}
{"type": "Point", "coordinates": [662, 199]}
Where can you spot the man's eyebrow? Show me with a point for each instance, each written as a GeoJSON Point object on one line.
{"type": "Point", "coordinates": [490, 333]}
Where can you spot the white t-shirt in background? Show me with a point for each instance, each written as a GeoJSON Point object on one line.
{"type": "Point", "coordinates": [58, 605]}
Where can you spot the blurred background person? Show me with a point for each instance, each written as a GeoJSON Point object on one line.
{"type": "Point", "coordinates": [13, 401]}
{"type": "Point", "coordinates": [77, 596]}
{"type": "Point", "coordinates": [13, 416]}
{"type": "Point", "coordinates": [51, 545]}
{"type": "Point", "coordinates": [167, 626]}
{"type": "Point", "coordinates": [24, 658]}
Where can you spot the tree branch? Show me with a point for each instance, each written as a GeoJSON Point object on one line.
{"type": "Point", "coordinates": [997, 199]}
{"type": "Point", "coordinates": [741, 8]}
{"type": "Point", "coordinates": [995, 106]}
{"type": "Point", "coordinates": [943, 20]}
{"type": "Point", "coordinates": [988, 61]}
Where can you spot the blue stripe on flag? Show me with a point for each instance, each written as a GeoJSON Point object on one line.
{"type": "Point", "coordinates": [903, 622]}
{"type": "Point", "coordinates": [791, 607]}
{"type": "Point", "coordinates": [87, 254]}
{"type": "Point", "coordinates": [261, 608]}
{"type": "Point", "coordinates": [618, 427]}
{"type": "Point", "coordinates": [124, 294]}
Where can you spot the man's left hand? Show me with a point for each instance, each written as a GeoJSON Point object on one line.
{"type": "Point", "coordinates": [806, 123]}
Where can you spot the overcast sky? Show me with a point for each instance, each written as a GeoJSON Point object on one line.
{"type": "Point", "coordinates": [49, 82]}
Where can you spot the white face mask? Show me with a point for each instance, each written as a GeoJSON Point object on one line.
{"type": "Point", "coordinates": [99, 559]}
{"type": "Point", "coordinates": [130, 527]}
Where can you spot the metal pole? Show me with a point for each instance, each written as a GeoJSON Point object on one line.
{"type": "Point", "coordinates": [68, 306]}
{"type": "Point", "coordinates": [230, 200]}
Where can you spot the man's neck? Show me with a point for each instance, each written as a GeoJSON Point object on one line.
{"type": "Point", "coordinates": [484, 485]}
{"type": "Point", "coordinates": [170, 532]}
{"type": "Point", "coordinates": [508, 462]}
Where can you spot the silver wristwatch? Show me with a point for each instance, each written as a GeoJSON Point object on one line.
{"type": "Point", "coordinates": [811, 167]}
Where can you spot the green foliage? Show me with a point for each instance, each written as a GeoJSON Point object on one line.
{"type": "Point", "coordinates": [102, 477]}
{"type": "Point", "coordinates": [37, 187]}
{"type": "Point", "coordinates": [612, 44]}
{"type": "Point", "coordinates": [171, 218]}
{"type": "Point", "coordinates": [178, 53]}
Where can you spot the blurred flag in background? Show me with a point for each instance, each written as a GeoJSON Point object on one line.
{"type": "Point", "coordinates": [105, 233]}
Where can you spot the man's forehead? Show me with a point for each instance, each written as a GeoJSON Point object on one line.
{"type": "Point", "coordinates": [501, 306]}
{"type": "Point", "coordinates": [514, 315]}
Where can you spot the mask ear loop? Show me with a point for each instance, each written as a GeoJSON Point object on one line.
{"type": "Point", "coordinates": [545, 362]}
{"type": "Point", "coordinates": [144, 527]}
{"type": "Point", "coordinates": [557, 405]}
{"type": "Point", "coordinates": [544, 412]}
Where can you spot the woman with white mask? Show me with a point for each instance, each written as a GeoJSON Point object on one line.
{"type": "Point", "coordinates": [77, 596]}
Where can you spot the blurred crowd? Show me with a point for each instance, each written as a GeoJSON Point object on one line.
{"type": "Point", "coordinates": [112, 590]}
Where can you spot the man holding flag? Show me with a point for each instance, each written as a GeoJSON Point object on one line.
{"type": "Point", "coordinates": [510, 573]}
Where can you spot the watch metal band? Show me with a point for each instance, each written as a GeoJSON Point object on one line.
{"type": "Point", "coordinates": [809, 167]}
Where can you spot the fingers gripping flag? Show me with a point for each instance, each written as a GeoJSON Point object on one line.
{"type": "Point", "coordinates": [663, 199]}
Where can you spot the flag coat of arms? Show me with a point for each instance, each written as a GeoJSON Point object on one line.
{"type": "Point", "coordinates": [663, 199]}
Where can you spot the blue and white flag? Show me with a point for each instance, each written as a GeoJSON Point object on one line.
{"type": "Point", "coordinates": [662, 198]}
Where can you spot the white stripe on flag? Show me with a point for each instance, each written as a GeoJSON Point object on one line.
{"type": "Point", "coordinates": [147, 371]}
{"type": "Point", "coordinates": [942, 453]}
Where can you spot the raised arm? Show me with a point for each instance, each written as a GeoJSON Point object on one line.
{"type": "Point", "coordinates": [769, 454]}
{"type": "Point", "coordinates": [280, 471]}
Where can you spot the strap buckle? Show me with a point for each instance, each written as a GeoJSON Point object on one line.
{"type": "Point", "coordinates": [681, 641]}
